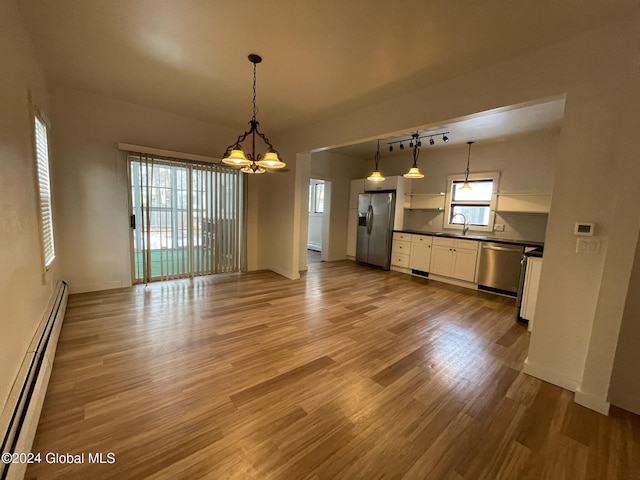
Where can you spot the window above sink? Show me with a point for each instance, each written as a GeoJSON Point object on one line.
{"type": "Point", "coordinates": [473, 207]}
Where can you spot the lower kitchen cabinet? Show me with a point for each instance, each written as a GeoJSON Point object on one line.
{"type": "Point", "coordinates": [400, 249]}
{"type": "Point", "coordinates": [420, 257]}
{"type": "Point", "coordinates": [454, 258]}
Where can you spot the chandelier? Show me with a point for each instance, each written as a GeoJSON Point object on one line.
{"type": "Point", "coordinates": [235, 154]}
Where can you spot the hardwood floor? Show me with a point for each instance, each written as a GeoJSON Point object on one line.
{"type": "Point", "coordinates": [349, 373]}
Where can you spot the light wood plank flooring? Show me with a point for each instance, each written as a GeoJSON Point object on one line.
{"type": "Point", "coordinates": [348, 373]}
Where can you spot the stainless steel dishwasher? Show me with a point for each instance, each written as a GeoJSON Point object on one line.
{"type": "Point", "coordinates": [499, 268]}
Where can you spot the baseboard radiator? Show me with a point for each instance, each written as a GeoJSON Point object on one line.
{"type": "Point", "coordinates": [19, 418]}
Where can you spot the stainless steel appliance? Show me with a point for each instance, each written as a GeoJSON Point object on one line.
{"type": "Point", "coordinates": [375, 228]}
{"type": "Point", "coordinates": [500, 268]}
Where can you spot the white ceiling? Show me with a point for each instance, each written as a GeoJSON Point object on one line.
{"type": "Point", "coordinates": [189, 57]}
{"type": "Point", "coordinates": [489, 126]}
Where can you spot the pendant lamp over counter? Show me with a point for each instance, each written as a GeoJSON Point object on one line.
{"type": "Point", "coordinates": [466, 185]}
{"type": "Point", "coordinates": [414, 172]}
{"type": "Point", "coordinates": [376, 176]}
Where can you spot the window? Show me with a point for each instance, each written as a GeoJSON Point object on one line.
{"type": "Point", "coordinates": [187, 218]}
{"type": "Point", "coordinates": [473, 207]}
{"type": "Point", "coordinates": [44, 188]}
{"type": "Point", "coordinates": [316, 196]}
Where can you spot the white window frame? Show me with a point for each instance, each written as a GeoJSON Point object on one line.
{"type": "Point", "coordinates": [43, 187]}
{"type": "Point", "coordinates": [313, 196]}
{"type": "Point", "coordinates": [493, 176]}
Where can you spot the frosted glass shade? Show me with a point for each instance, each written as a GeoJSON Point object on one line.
{"type": "Point", "coordinates": [236, 158]}
{"type": "Point", "coordinates": [413, 172]}
{"type": "Point", "coordinates": [271, 160]}
{"type": "Point", "coordinates": [375, 177]}
{"type": "Point", "coordinates": [249, 169]}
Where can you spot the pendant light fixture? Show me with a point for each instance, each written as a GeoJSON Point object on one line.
{"type": "Point", "coordinates": [376, 176]}
{"type": "Point", "coordinates": [466, 185]}
{"type": "Point", "coordinates": [250, 162]}
{"type": "Point", "coordinates": [414, 172]}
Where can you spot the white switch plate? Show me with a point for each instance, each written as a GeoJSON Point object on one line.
{"type": "Point", "coordinates": [590, 246]}
{"type": "Point", "coordinates": [498, 227]}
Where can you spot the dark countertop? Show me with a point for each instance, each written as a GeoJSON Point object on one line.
{"type": "Point", "coordinates": [480, 238]}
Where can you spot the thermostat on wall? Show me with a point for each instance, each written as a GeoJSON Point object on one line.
{"type": "Point", "coordinates": [584, 228]}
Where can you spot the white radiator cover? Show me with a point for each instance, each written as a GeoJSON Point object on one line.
{"type": "Point", "coordinates": [19, 419]}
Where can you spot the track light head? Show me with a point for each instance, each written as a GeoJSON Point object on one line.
{"type": "Point", "coordinates": [445, 139]}
{"type": "Point", "coordinates": [401, 146]}
{"type": "Point", "coordinates": [411, 144]}
{"type": "Point", "coordinates": [419, 143]}
{"type": "Point", "coordinates": [431, 141]}
{"type": "Point", "coordinates": [391, 148]}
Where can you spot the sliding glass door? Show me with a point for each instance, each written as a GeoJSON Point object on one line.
{"type": "Point", "coordinates": [186, 218]}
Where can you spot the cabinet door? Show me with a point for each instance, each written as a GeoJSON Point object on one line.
{"type": "Point", "coordinates": [530, 291]}
{"type": "Point", "coordinates": [352, 232]}
{"type": "Point", "coordinates": [464, 264]}
{"type": "Point", "coordinates": [442, 260]}
{"type": "Point", "coordinates": [420, 257]}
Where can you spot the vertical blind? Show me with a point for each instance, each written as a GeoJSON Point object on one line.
{"type": "Point", "coordinates": [187, 218]}
{"type": "Point", "coordinates": [44, 190]}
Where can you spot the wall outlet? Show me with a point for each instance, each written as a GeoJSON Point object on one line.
{"type": "Point", "coordinates": [498, 227]}
{"type": "Point", "coordinates": [430, 223]}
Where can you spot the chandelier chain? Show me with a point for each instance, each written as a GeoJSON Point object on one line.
{"type": "Point", "coordinates": [255, 108]}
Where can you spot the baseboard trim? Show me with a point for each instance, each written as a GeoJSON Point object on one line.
{"type": "Point", "coordinates": [592, 402]}
{"type": "Point", "coordinates": [550, 376]}
{"type": "Point", "coordinates": [289, 275]}
{"type": "Point", "coordinates": [21, 413]}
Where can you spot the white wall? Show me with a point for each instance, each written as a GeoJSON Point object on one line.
{"type": "Point", "coordinates": [596, 176]}
{"type": "Point", "coordinates": [339, 170]}
{"type": "Point", "coordinates": [24, 290]}
{"type": "Point", "coordinates": [91, 179]}
{"type": "Point", "coordinates": [625, 381]}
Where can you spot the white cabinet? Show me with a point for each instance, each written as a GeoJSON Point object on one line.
{"type": "Point", "coordinates": [357, 187]}
{"type": "Point", "coordinates": [389, 183]}
{"type": "Point", "coordinates": [400, 249]}
{"type": "Point", "coordinates": [454, 258]}
{"type": "Point", "coordinates": [530, 289]}
{"type": "Point", "coordinates": [420, 258]}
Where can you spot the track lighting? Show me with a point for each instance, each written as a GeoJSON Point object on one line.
{"type": "Point", "coordinates": [416, 140]}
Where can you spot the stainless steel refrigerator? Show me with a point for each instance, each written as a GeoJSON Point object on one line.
{"type": "Point", "coordinates": [375, 228]}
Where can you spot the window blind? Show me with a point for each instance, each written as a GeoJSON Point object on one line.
{"type": "Point", "coordinates": [44, 190]}
{"type": "Point", "coordinates": [187, 218]}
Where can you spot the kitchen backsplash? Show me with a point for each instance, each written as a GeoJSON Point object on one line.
{"type": "Point", "coordinates": [518, 226]}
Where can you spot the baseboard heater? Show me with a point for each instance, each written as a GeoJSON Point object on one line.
{"type": "Point", "coordinates": [19, 418]}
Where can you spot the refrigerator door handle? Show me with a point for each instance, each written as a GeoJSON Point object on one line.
{"type": "Point", "coordinates": [369, 219]}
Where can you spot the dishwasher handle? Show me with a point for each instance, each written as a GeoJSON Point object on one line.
{"type": "Point", "coordinates": [501, 249]}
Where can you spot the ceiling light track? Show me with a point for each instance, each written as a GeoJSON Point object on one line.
{"type": "Point", "coordinates": [416, 139]}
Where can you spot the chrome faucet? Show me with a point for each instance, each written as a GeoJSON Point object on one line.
{"type": "Point", "coordinates": [465, 225]}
